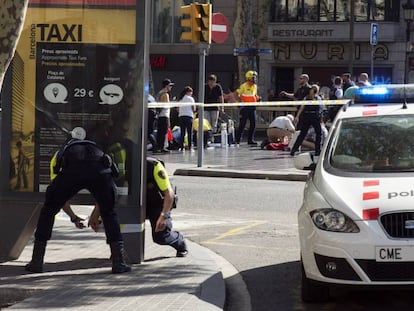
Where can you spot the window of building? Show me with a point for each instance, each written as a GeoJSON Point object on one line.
{"type": "Point", "coordinates": [333, 10]}
{"type": "Point", "coordinates": [166, 17]}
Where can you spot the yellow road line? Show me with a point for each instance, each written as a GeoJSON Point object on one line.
{"type": "Point", "coordinates": [235, 231]}
{"type": "Point", "coordinates": [212, 242]}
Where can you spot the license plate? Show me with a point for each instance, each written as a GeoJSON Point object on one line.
{"type": "Point", "coordinates": [394, 253]}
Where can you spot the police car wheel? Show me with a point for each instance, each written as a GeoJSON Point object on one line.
{"type": "Point", "coordinates": [312, 291]}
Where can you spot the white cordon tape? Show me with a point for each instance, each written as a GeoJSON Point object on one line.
{"type": "Point", "coordinates": [258, 104]}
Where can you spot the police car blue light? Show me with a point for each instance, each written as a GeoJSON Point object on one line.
{"type": "Point", "coordinates": [385, 94]}
{"type": "Point", "coordinates": [376, 90]}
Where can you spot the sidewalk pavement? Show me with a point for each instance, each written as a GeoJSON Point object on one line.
{"type": "Point", "coordinates": [78, 270]}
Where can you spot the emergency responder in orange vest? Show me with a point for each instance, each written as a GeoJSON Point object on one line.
{"type": "Point", "coordinates": [247, 93]}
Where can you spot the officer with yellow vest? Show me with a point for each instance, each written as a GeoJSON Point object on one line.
{"type": "Point", "coordinates": [160, 199]}
{"type": "Point", "coordinates": [247, 92]}
{"type": "Point", "coordinates": [80, 164]}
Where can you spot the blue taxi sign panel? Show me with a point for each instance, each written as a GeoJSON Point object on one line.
{"type": "Point", "coordinates": [374, 34]}
{"type": "Point", "coordinates": [385, 94]}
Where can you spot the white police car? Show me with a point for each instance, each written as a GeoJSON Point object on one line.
{"type": "Point", "coordinates": [356, 223]}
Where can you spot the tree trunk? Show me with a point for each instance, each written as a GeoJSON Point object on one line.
{"type": "Point", "coordinates": [12, 14]}
{"type": "Point", "coordinates": [243, 34]}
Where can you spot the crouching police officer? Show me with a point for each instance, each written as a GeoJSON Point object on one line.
{"type": "Point", "coordinates": [80, 164]}
{"type": "Point", "coordinates": [160, 201]}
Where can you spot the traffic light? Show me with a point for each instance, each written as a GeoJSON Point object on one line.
{"type": "Point", "coordinates": [204, 22]}
{"type": "Point", "coordinates": [186, 22]}
{"type": "Point", "coordinates": [196, 18]}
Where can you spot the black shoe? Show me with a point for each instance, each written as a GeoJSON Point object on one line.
{"type": "Point", "coordinates": [34, 267]}
{"type": "Point", "coordinates": [263, 144]}
{"type": "Point", "coordinates": [183, 253]}
{"type": "Point", "coordinates": [165, 151]}
{"type": "Point", "coordinates": [253, 143]}
{"type": "Point", "coordinates": [292, 153]}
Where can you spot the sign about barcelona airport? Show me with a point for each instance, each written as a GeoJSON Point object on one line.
{"type": "Point", "coordinates": [73, 73]}
{"type": "Point", "coordinates": [79, 71]}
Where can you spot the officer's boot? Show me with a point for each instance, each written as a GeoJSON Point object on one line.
{"type": "Point", "coordinates": [118, 257]}
{"type": "Point", "coordinates": [36, 264]}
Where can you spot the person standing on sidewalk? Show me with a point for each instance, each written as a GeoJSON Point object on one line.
{"type": "Point", "coordinates": [80, 164]}
{"type": "Point", "coordinates": [363, 79]}
{"type": "Point", "coordinates": [310, 115]}
{"type": "Point", "coordinates": [346, 81]}
{"type": "Point", "coordinates": [152, 116]}
{"type": "Point", "coordinates": [247, 93]}
{"type": "Point", "coordinates": [186, 116]}
{"type": "Point", "coordinates": [300, 94]}
{"type": "Point", "coordinates": [302, 91]}
{"type": "Point", "coordinates": [213, 94]}
{"type": "Point", "coordinates": [163, 117]}
{"type": "Point", "coordinates": [160, 200]}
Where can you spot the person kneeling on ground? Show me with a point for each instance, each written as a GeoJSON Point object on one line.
{"type": "Point", "coordinates": [207, 129]}
{"type": "Point", "coordinates": [278, 129]}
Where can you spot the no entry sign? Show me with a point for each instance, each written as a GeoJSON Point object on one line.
{"type": "Point", "coordinates": [219, 28]}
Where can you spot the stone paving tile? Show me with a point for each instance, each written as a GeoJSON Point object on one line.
{"type": "Point", "coordinates": [243, 158]}
{"type": "Point", "coordinates": [77, 277]}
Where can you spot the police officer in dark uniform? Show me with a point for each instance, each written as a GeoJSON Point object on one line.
{"type": "Point", "coordinates": [80, 165]}
{"type": "Point", "coordinates": [310, 115]}
{"type": "Point", "coordinates": [160, 200]}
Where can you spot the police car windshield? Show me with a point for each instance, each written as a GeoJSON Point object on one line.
{"type": "Point", "coordinates": [378, 143]}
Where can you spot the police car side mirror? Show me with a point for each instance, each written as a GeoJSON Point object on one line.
{"type": "Point", "coordinates": [304, 161]}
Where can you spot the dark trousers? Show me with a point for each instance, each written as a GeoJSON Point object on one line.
{"type": "Point", "coordinates": [168, 236]}
{"type": "Point", "coordinates": [246, 114]}
{"type": "Point", "coordinates": [307, 120]}
{"type": "Point", "coordinates": [206, 136]}
{"type": "Point", "coordinates": [162, 129]}
{"type": "Point", "coordinates": [65, 186]}
{"type": "Point", "coordinates": [151, 121]}
{"type": "Point", "coordinates": [186, 125]}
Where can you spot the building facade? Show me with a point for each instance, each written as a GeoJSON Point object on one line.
{"type": "Point", "coordinates": [317, 37]}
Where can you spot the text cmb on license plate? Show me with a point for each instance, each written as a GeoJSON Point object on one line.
{"type": "Point", "coordinates": [394, 253]}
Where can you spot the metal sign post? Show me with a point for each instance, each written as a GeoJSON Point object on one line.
{"type": "Point", "coordinates": [201, 81]}
{"type": "Point", "coordinates": [373, 42]}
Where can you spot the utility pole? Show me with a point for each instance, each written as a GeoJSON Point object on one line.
{"type": "Point", "coordinates": [203, 48]}
{"type": "Point", "coordinates": [351, 37]}
{"type": "Point", "coordinates": [196, 18]}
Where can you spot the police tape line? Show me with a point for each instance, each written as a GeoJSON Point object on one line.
{"type": "Point", "coordinates": [257, 104]}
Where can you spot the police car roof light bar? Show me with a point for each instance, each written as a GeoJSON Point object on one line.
{"type": "Point", "coordinates": [385, 94]}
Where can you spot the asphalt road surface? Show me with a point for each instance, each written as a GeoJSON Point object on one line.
{"type": "Point", "coordinates": [253, 225]}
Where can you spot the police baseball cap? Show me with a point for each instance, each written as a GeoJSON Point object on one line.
{"type": "Point", "coordinates": [167, 82]}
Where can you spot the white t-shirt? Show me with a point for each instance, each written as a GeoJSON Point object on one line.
{"type": "Point", "coordinates": [282, 122]}
{"type": "Point", "coordinates": [186, 110]}
{"type": "Point", "coordinates": [151, 98]}
{"type": "Point", "coordinates": [339, 93]}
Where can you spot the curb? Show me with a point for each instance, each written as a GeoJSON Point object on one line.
{"type": "Point", "coordinates": [213, 290]}
{"type": "Point", "coordinates": [245, 174]}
